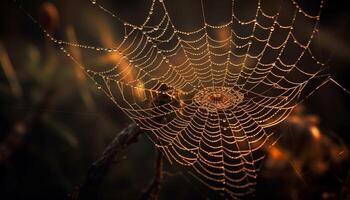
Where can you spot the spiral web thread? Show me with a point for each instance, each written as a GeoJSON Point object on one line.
{"type": "Point", "coordinates": [225, 90]}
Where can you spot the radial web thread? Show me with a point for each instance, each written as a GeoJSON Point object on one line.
{"type": "Point", "coordinates": [227, 84]}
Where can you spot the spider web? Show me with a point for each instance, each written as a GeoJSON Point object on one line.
{"type": "Point", "coordinates": [225, 83]}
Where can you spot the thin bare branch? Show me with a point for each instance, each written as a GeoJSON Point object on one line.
{"type": "Point", "coordinates": [152, 192]}
{"type": "Point", "coordinates": [98, 170]}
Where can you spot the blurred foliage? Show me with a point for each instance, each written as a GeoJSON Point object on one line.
{"type": "Point", "coordinates": [54, 124]}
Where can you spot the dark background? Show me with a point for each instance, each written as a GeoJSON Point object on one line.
{"type": "Point", "coordinates": [54, 124]}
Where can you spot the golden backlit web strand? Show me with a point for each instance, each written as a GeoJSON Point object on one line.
{"type": "Point", "coordinates": [223, 92]}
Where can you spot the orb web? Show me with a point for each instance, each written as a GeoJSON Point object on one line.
{"type": "Point", "coordinates": [227, 83]}
{"type": "Point", "coordinates": [218, 98]}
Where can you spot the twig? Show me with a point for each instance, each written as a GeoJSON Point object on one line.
{"type": "Point", "coordinates": [153, 190]}
{"type": "Point", "coordinates": [98, 170]}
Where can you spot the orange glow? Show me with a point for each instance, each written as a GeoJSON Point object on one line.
{"type": "Point", "coordinates": [139, 91]}
{"type": "Point", "coordinates": [107, 39]}
{"type": "Point", "coordinates": [315, 132]}
{"type": "Point", "coordinates": [223, 34]}
{"type": "Point", "coordinates": [49, 16]}
{"type": "Point", "coordinates": [275, 153]}
{"type": "Point", "coordinates": [295, 119]}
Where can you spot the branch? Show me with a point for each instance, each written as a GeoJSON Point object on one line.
{"type": "Point", "coordinates": [98, 170]}
{"type": "Point", "coordinates": [153, 190]}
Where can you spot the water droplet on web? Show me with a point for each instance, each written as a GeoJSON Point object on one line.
{"type": "Point", "coordinates": [211, 102]}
